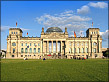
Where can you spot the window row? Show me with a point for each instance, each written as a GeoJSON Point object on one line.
{"type": "Point", "coordinates": [77, 50]}
{"type": "Point", "coordinates": [29, 50]}
{"type": "Point", "coordinates": [30, 44]}
{"type": "Point", "coordinates": [94, 32]}
{"type": "Point", "coordinates": [78, 44]}
{"type": "Point", "coordinates": [13, 32]}
{"type": "Point", "coordinates": [27, 55]}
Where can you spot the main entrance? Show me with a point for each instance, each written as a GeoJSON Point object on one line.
{"type": "Point", "coordinates": [53, 47]}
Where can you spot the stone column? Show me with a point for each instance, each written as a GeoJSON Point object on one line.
{"type": "Point", "coordinates": [43, 46]}
{"type": "Point", "coordinates": [56, 46]}
{"type": "Point", "coordinates": [47, 46]}
{"type": "Point", "coordinates": [61, 47]}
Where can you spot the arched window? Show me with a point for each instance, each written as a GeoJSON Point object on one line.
{"type": "Point", "coordinates": [14, 44]}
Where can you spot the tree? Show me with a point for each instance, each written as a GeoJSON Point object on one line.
{"type": "Point", "coordinates": [107, 54]}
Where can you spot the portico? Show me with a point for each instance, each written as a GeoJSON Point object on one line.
{"type": "Point", "coordinates": [53, 47]}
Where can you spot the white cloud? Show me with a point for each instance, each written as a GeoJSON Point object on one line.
{"type": "Point", "coordinates": [83, 10]}
{"type": "Point", "coordinates": [98, 4]}
{"type": "Point", "coordinates": [105, 35]}
{"type": "Point", "coordinates": [66, 19]}
{"type": "Point", "coordinates": [4, 28]}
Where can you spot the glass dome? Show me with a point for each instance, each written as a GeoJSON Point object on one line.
{"type": "Point", "coordinates": [54, 29]}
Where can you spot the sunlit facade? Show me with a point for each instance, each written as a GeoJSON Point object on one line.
{"type": "Point", "coordinates": [53, 42]}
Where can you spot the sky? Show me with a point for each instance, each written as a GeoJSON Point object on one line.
{"type": "Point", "coordinates": [31, 16]}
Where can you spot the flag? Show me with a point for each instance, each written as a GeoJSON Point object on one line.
{"type": "Point", "coordinates": [92, 24]}
{"type": "Point", "coordinates": [74, 34]}
{"type": "Point", "coordinates": [27, 33]}
{"type": "Point", "coordinates": [16, 24]}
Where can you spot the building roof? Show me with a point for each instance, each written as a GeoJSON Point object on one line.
{"type": "Point", "coordinates": [16, 29]}
{"type": "Point", "coordinates": [54, 29]}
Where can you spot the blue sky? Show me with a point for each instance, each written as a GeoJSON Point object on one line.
{"type": "Point", "coordinates": [31, 16]}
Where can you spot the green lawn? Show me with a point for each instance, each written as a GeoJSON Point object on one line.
{"type": "Point", "coordinates": [54, 70]}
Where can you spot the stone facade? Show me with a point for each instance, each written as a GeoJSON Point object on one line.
{"type": "Point", "coordinates": [54, 42]}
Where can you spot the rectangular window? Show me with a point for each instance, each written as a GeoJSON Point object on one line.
{"type": "Point", "coordinates": [82, 50]}
{"type": "Point", "coordinates": [79, 50]}
{"type": "Point", "coordinates": [16, 32]}
{"type": "Point", "coordinates": [25, 50]}
{"type": "Point", "coordinates": [34, 50]}
{"type": "Point", "coordinates": [38, 44]}
{"type": "Point", "coordinates": [12, 32]}
{"type": "Point", "coordinates": [75, 50]}
{"type": "Point", "coordinates": [72, 50]}
{"type": "Point", "coordinates": [70, 44]}
{"type": "Point", "coordinates": [94, 50]}
{"type": "Point", "coordinates": [86, 44]}
{"type": "Point", "coordinates": [30, 44]}
{"type": "Point", "coordinates": [38, 50]}
{"type": "Point", "coordinates": [21, 50]}
{"type": "Point", "coordinates": [69, 50]}
{"type": "Point", "coordinates": [25, 55]}
{"type": "Point", "coordinates": [34, 44]}
{"type": "Point", "coordinates": [26, 44]}
{"type": "Point", "coordinates": [77, 44]}
{"type": "Point", "coordinates": [30, 50]}
{"type": "Point", "coordinates": [86, 50]}
{"type": "Point", "coordinates": [22, 44]}
{"type": "Point", "coordinates": [13, 50]}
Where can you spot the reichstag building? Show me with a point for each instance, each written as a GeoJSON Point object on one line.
{"type": "Point", "coordinates": [54, 43]}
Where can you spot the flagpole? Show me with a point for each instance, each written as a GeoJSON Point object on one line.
{"type": "Point", "coordinates": [74, 45]}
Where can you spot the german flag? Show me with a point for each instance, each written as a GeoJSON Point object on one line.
{"type": "Point", "coordinates": [27, 33]}
{"type": "Point", "coordinates": [74, 34]}
{"type": "Point", "coordinates": [16, 24]}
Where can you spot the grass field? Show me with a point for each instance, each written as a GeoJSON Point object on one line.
{"type": "Point", "coordinates": [54, 70]}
